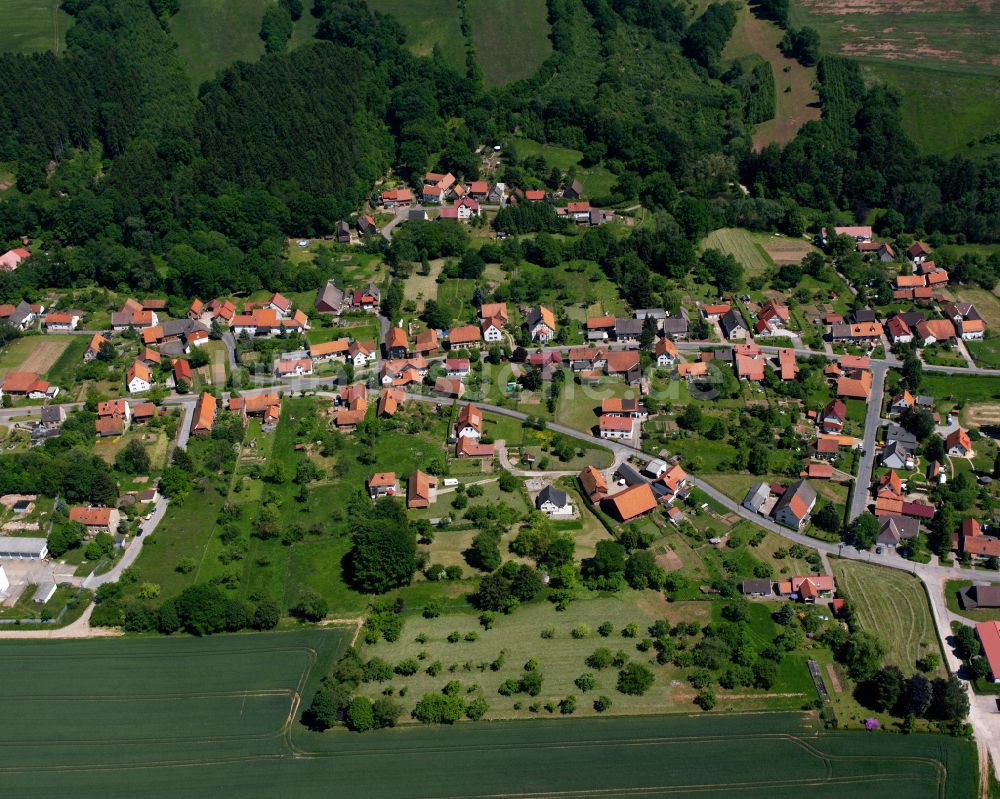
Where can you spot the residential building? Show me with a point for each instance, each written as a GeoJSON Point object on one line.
{"type": "Point", "coordinates": [335, 350]}
{"type": "Point", "coordinates": [756, 497]}
{"type": "Point", "coordinates": [94, 347]}
{"type": "Point", "coordinates": [795, 505]}
{"type": "Point", "coordinates": [465, 337]}
{"type": "Point", "coordinates": [138, 378]}
{"type": "Point", "coordinates": [615, 427]}
{"type": "Point", "coordinates": [733, 325]}
{"type": "Point", "coordinates": [958, 444]}
{"type": "Point", "coordinates": [811, 588]}
{"type": "Point", "coordinates": [396, 343]}
{"type": "Point", "coordinates": [624, 364]}
{"type": "Point", "coordinates": [426, 343]}
{"type": "Point", "coordinates": [665, 352]}
{"type": "Point", "coordinates": [757, 588]}
{"type": "Point", "coordinates": [396, 198]}
{"type": "Point", "coordinates": [60, 322]}
{"type": "Point", "coordinates": [204, 415]}
{"type": "Point", "coordinates": [96, 519]}
{"type": "Point", "coordinates": [382, 484]}
{"type": "Point", "coordinates": [469, 447]}
{"type": "Point", "coordinates": [293, 367]}
{"type": "Point", "coordinates": [628, 331]}
{"type": "Point", "coordinates": [420, 490]}
{"type": "Point", "coordinates": [553, 502]}
{"type": "Point", "coordinates": [27, 384]}
{"type": "Point", "coordinates": [329, 299]}
{"type": "Point", "coordinates": [895, 529]}
{"type": "Point", "coordinates": [389, 400]}
{"type": "Point", "coordinates": [898, 330]}
{"type": "Point", "coordinates": [541, 324]}
{"type": "Point", "coordinates": [469, 423]}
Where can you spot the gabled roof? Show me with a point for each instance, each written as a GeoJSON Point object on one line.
{"type": "Point", "coordinates": [621, 361]}
{"type": "Point", "coordinates": [554, 495]}
{"type": "Point", "coordinates": [593, 483]}
{"type": "Point", "coordinates": [140, 370]}
{"type": "Point", "coordinates": [382, 480]}
{"type": "Point", "coordinates": [470, 416]}
{"type": "Point", "coordinates": [396, 337]}
{"type": "Point", "coordinates": [632, 502]}
{"type": "Point", "coordinates": [958, 437]}
{"type": "Point", "coordinates": [90, 516]}
{"type": "Point", "coordinates": [466, 334]}
{"type": "Point", "coordinates": [798, 498]}
{"type": "Point", "coordinates": [204, 413]}
{"type": "Point", "coordinates": [541, 315]}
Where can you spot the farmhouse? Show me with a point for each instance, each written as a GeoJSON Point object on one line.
{"type": "Point", "coordinates": [465, 337]}
{"type": "Point", "coordinates": [27, 384]}
{"type": "Point", "coordinates": [809, 589]}
{"type": "Point", "coordinates": [96, 519]}
{"type": "Point", "coordinates": [629, 408]}
{"type": "Point", "coordinates": [594, 486]}
{"type": "Point", "coordinates": [329, 299]}
{"type": "Point", "coordinates": [615, 427]}
{"type": "Point", "coordinates": [469, 423]}
{"type": "Point", "coordinates": [665, 352]}
{"type": "Point", "coordinates": [631, 503]}
{"type": "Point", "coordinates": [335, 350]}
{"type": "Point", "coordinates": [293, 367]}
{"type": "Point", "coordinates": [389, 400]}
{"type": "Point", "coordinates": [62, 322]}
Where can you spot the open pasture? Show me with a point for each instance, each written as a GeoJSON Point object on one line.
{"type": "Point", "coordinates": [740, 244]}
{"type": "Point", "coordinates": [511, 38]}
{"type": "Point", "coordinates": [893, 605]}
{"type": "Point", "coordinates": [33, 26]}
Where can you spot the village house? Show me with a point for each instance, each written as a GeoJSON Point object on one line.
{"type": "Point", "coordinates": [714, 312]}
{"type": "Point", "coordinates": [12, 259]}
{"type": "Point", "coordinates": [367, 299]}
{"type": "Point", "coordinates": [594, 486]}
{"type": "Point", "coordinates": [469, 423]}
{"type": "Point", "coordinates": [96, 519]}
{"type": "Point", "coordinates": [599, 328]}
{"type": "Point", "coordinates": [895, 529]}
{"type": "Point", "coordinates": [860, 233]}
{"type": "Point", "coordinates": [382, 484]}
{"type": "Point", "coordinates": [958, 444]}
{"type": "Point", "coordinates": [496, 311]}
{"type": "Point", "coordinates": [61, 322]}
{"type": "Point", "coordinates": [858, 332]}
{"type": "Point", "coordinates": [464, 210]}
{"type": "Point", "coordinates": [898, 330]}
{"type": "Point", "coordinates": [918, 252]}
{"type": "Point", "coordinates": [293, 367]}
{"type": "Point", "coordinates": [396, 198]}
{"type": "Point", "coordinates": [420, 490]}
{"type": "Point", "coordinates": [492, 330]}
{"type": "Point", "coordinates": [553, 502]}
{"type": "Point", "coordinates": [771, 319]}
{"type": "Point", "coordinates": [182, 373]}
{"type": "Point", "coordinates": [628, 331]}
{"type": "Point", "coordinates": [624, 364]}
{"type": "Point", "coordinates": [404, 372]}
{"type": "Point", "coordinates": [811, 588]}
{"type": "Point", "coordinates": [465, 337]}
{"type": "Point", "coordinates": [615, 427]}
{"type": "Point", "coordinates": [733, 325]}
{"type": "Point", "coordinates": [426, 343]}
{"type": "Point", "coordinates": [329, 299]}
{"type": "Point", "coordinates": [788, 369]}
{"type": "Point", "coordinates": [665, 352]}
{"type": "Point", "coordinates": [94, 347]}
{"type": "Point", "coordinates": [931, 331]}
{"type": "Point", "coordinates": [794, 506]}
{"type": "Point", "coordinates": [27, 384]}
{"type": "Point", "coordinates": [675, 327]}
{"type": "Point", "coordinates": [335, 350]}
{"type": "Point", "coordinates": [583, 359]}
{"type": "Point", "coordinates": [396, 343]}
{"type": "Point", "coordinates": [627, 408]}
{"type": "Point", "coordinates": [204, 415]}
{"type": "Point", "coordinates": [138, 378]}
{"type": "Point", "coordinates": [541, 324]}
{"type": "Point", "coordinates": [361, 353]}
{"type": "Point", "coordinates": [457, 367]}
{"type": "Point", "coordinates": [975, 544]}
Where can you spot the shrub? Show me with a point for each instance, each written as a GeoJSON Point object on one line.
{"type": "Point", "coordinates": [585, 682]}
{"type": "Point", "coordinates": [602, 703]}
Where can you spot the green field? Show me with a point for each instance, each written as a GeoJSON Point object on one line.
{"type": "Point", "coordinates": [740, 244]}
{"type": "Point", "coordinates": [428, 23]}
{"type": "Point", "coordinates": [893, 605]}
{"type": "Point", "coordinates": [216, 717]}
{"type": "Point", "coordinates": [943, 57]}
{"type": "Point", "coordinates": [33, 26]}
{"type": "Point", "coordinates": [511, 38]}
{"type": "Point", "coordinates": [212, 34]}
{"type": "Point", "coordinates": [596, 180]}
{"type": "Point", "coordinates": [753, 36]}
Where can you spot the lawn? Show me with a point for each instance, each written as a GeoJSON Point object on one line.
{"type": "Point", "coordinates": [38, 353]}
{"type": "Point", "coordinates": [33, 26]}
{"type": "Point", "coordinates": [511, 38]}
{"type": "Point", "coordinates": [893, 605]}
{"type": "Point", "coordinates": [428, 23]}
{"type": "Point", "coordinates": [753, 36]}
{"type": "Point", "coordinates": [965, 389]}
{"type": "Point", "coordinates": [596, 180]}
{"type": "Point", "coordinates": [212, 34]}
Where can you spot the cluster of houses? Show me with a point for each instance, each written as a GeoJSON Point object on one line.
{"type": "Point", "coordinates": [334, 301]}
{"type": "Point", "coordinates": [22, 385]}
{"type": "Point", "coordinates": [115, 417]}
{"type": "Point", "coordinates": [657, 485]}
{"type": "Point", "coordinates": [23, 315]}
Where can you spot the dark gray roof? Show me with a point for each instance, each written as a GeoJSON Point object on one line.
{"type": "Point", "coordinates": [628, 327]}
{"type": "Point", "coordinates": [181, 327]}
{"type": "Point", "coordinates": [330, 295]}
{"type": "Point", "coordinates": [896, 528]}
{"type": "Point", "coordinates": [757, 495]}
{"type": "Point", "coordinates": [53, 413]}
{"type": "Point", "coordinates": [731, 320]}
{"type": "Point", "coordinates": [21, 312]}
{"type": "Point", "coordinates": [898, 434]}
{"type": "Point", "coordinates": [863, 315]}
{"type": "Point", "coordinates": [912, 318]}
{"type": "Point", "coordinates": [172, 349]}
{"type": "Point", "coordinates": [925, 401]}
{"type": "Point", "coordinates": [898, 449]}
{"type": "Point", "coordinates": [629, 474]}
{"type": "Point", "coordinates": [656, 313]}
{"type": "Point", "coordinates": [756, 586]}
{"type": "Point", "coordinates": [553, 495]}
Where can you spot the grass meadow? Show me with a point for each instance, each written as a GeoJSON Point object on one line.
{"type": "Point", "coordinates": [33, 26]}
{"type": "Point", "coordinates": [893, 605]}
{"type": "Point", "coordinates": [504, 57]}
{"type": "Point", "coordinates": [428, 23]}
{"type": "Point", "coordinates": [941, 56]}
{"type": "Point", "coordinates": [212, 34]}
{"type": "Point", "coordinates": [752, 37]}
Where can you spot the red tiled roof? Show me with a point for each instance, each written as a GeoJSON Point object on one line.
{"type": "Point", "coordinates": [633, 501]}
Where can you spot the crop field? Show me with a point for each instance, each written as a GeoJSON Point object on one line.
{"type": "Point", "coordinates": [33, 26]}
{"type": "Point", "coordinates": [111, 707]}
{"type": "Point", "coordinates": [428, 23]}
{"type": "Point", "coordinates": [212, 34]}
{"type": "Point", "coordinates": [739, 243]}
{"type": "Point", "coordinates": [942, 55]}
{"type": "Point", "coordinates": [511, 38]}
{"type": "Point", "coordinates": [893, 605]}
{"type": "Point", "coordinates": [753, 36]}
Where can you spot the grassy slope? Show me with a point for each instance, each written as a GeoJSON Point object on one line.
{"type": "Point", "coordinates": [212, 34]}
{"type": "Point", "coordinates": [428, 23]}
{"type": "Point", "coordinates": [511, 38]}
{"type": "Point", "coordinates": [740, 244]}
{"type": "Point", "coordinates": [757, 37]}
{"type": "Point", "coordinates": [944, 62]}
{"type": "Point", "coordinates": [33, 26]}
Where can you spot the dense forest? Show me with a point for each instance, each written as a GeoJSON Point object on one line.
{"type": "Point", "coordinates": [131, 176]}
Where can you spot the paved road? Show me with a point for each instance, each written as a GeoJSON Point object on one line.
{"type": "Point", "coordinates": [873, 417]}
